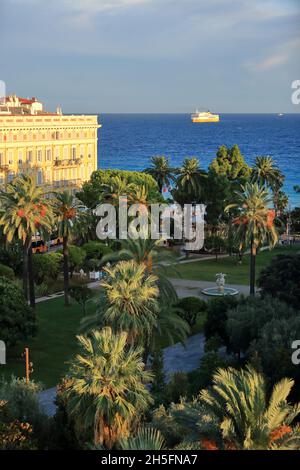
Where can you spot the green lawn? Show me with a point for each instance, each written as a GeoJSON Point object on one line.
{"type": "Point", "coordinates": [54, 344]}
{"type": "Point", "coordinates": [236, 274]}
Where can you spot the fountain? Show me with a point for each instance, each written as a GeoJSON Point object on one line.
{"type": "Point", "coordinates": [220, 290]}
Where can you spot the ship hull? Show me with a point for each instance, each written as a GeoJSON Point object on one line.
{"type": "Point", "coordinates": [211, 119]}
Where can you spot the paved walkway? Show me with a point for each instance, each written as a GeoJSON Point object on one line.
{"type": "Point", "coordinates": [186, 287]}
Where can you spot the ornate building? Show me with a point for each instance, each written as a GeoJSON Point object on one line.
{"type": "Point", "coordinates": [61, 150]}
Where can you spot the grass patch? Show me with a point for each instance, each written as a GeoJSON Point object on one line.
{"type": "Point", "coordinates": [54, 345]}
{"type": "Point", "coordinates": [236, 274]}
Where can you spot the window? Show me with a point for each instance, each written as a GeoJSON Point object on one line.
{"type": "Point", "coordinates": [57, 153]}
{"type": "Point", "coordinates": [1, 158]}
{"type": "Point", "coordinates": [48, 155]}
{"type": "Point", "coordinates": [39, 155]}
{"type": "Point", "coordinates": [10, 157]}
{"type": "Point", "coordinates": [89, 151]}
{"type": "Point", "coordinates": [29, 156]}
{"type": "Point", "coordinates": [66, 152]}
{"type": "Point", "coordinates": [39, 177]}
{"type": "Point", "coordinates": [81, 151]}
{"type": "Point", "coordinates": [10, 176]}
{"type": "Point", "coordinates": [20, 157]}
{"type": "Point", "coordinates": [73, 153]}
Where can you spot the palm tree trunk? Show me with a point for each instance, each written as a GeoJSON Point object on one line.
{"type": "Point", "coordinates": [31, 278]}
{"type": "Point", "coordinates": [66, 269]}
{"type": "Point", "coordinates": [252, 267]}
{"type": "Point", "coordinates": [25, 267]}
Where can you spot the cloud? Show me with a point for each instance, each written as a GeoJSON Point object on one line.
{"type": "Point", "coordinates": [285, 52]}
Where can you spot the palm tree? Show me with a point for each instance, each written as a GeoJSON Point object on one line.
{"type": "Point", "coordinates": [266, 173]}
{"type": "Point", "coordinates": [106, 390]}
{"type": "Point", "coordinates": [147, 252]}
{"type": "Point", "coordinates": [131, 296]}
{"type": "Point", "coordinates": [116, 188]}
{"type": "Point", "coordinates": [190, 177]}
{"type": "Point", "coordinates": [69, 216]}
{"type": "Point", "coordinates": [25, 209]}
{"type": "Point", "coordinates": [145, 439]}
{"type": "Point", "coordinates": [161, 171]}
{"type": "Point", "coordinates": [255, 223]}
{"type": "Point", "coordinates": [248, 419]}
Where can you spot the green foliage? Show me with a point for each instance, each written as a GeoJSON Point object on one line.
{"type": "Point", "coordinates": [191, 307]}
{"type": "Point", "coordinates": [177, 387]}
{"type": "Point", "coordinates": [157, 367]}
{"type": "Point", "coordinates": [6, 271]}
{"type": "Point", "coordinates": [77, 257]}
{"type": "Point", "coordinates": [215, 324]}
{"type": "Point", "coordinates": [161, 171]}
{"type": "Point", "coordinates": [295, 217]}
{"type": "Point", "coordinates": [92, 191]}
{"type": "Point", "coordinates": [273, 348]}
{"type": "Point", "coordinates": [190, 179]}
{"type": "Point", "coordinates": [22, 405]}
{"type": "Point", "coordinates": [281, 279]}
{"type": "Point", "coordinates": [215, 244]}
{"type": "Point", "coordinates": [216, 196]}
{"type": "Point", "coordinates": [230, 162]}
{"type": "Point", "coordinates": [96, 250]}
{"type": "Point", "coordinates": [81, 294]}
{"type": "Point", "coordinates": [249, 419]}
{"type": "Point", "coordinates": [107, 408]}
{"type": "Point", "coordinates": [202, 377]}
{"type": "Point", "coordinates": [17, 320]}
{"type": "Point", "coordinates": [145, 439]}
{"type": "Point", "coordinates": [11, 255]}
{"type": "Point", "coordinates": [46, 266]}
{"type": "Point", "coordinates": [247, 319]}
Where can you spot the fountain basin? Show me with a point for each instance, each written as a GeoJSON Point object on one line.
{"type": "Point", "coordinates": [215, 292]}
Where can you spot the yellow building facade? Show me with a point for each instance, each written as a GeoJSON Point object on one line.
{"type": "Point", "coordinates": [60, 150]}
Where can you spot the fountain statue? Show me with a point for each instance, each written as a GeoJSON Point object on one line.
{"type": "Point", "coordinates": [220, 289]}
{"type": "Point", "coordinates": [220, 281]}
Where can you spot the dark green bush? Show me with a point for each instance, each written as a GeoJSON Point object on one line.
{"type": "Point", "coordinates": [17, 320]}
{"type": "Point", "coordinates": [281, 279]}
{"type": "Point", "coordinates": [191, 307]}
{"type": "Point", "coordinates": [6, 271]}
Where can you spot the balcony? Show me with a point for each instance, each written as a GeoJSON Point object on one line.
{"type": "Point", "coordinates": [67, 162]}
{"type": "Point", "coordinates": [4, 167]}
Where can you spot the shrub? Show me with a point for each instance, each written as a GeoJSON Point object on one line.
{"type": "Point", "coordinates": [281, 279]}
{"type": "Point", "coordinates": [177, 387]}
{"type": "Point", "coordinates": [17, 320]}
{"type": "Point", "coordinates": [77, 257]}
{"type": "Point", "coordinates": [81, 294]}
{"type": "Point", "coordinates": [95, 250]}
{"type": "Point", "coordinates": [247, 319]}
{"type": "Point", "coordinates": [46, 266]}
{"type": "Point", "coordinates": [22, 405]}
{"type": "Point", "coordinates": [191, 307]}
{"type": "Point", "coordinates": [6, 271]}
{"type": "Point", "coordinates": [215, 324]}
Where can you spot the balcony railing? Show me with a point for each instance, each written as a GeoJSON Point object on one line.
{"type": "Point", "coordinates": [67, 162]}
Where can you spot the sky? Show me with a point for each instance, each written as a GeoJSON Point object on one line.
{"type": "Point", "coordinates": [152, 56]}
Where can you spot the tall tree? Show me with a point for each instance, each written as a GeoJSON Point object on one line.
{"type": "Point", "coordinates": [131, 294]}
{"type": "Point", "coordinates": [249, 420]}
{"type": "Point", "coordinates": [107, 388]}
{"type": "Point", "coordinates": [69, 217]}
{"type": "Point", "coordinates": [190, 177]}
{"type": "Point", "coordinates": [161, 171]}
{"type": "Point", "coordinates": [230, 162]}
{"type": "Point", "coordinates": [25, 209]}
{"type": "Point", "coordinates": [266, 173]}
{"type": "Point", "coordinates": [254, 224]}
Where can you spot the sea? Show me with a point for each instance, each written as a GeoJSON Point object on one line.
{"type": "Point", "coordinates": [128, 141]}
